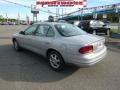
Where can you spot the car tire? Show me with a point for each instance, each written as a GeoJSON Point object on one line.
{"type": "Point", "coordinates": [16, 45]}
{"type": "Point", "coordinates": [94, 32]}
{"type": "Point", "coordinates": [107, 32]}
{"type": "Point", "coordinates": [55, 60]}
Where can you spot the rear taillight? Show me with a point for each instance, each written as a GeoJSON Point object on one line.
{"type": "Point", "coordinates": [86, 49]}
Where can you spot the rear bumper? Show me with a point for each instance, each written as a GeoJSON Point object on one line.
{"type": "Point", "coordinates": [87, 60]}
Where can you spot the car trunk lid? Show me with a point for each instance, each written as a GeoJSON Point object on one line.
{"type": "Point", "coordinates": [88, 39]}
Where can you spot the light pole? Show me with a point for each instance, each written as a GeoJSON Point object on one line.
{"type": "Point", "coordinates": [62, 12]}
{"type": "Point", "coordinates": [81, 14]}
{"type": "Point", "coordinates": [95, 14]}
{"type": "Point", "coordinates": [78, 15]}
{"type": "Point", "coordinates": [118, 18]}
{"type": "Point", "coordinates": [6, 17]}
{"type": "Point", "coordinates": [80, 18]}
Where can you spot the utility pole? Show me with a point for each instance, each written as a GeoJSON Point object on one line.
{"type": "Point", "coordinates": [27, 19]}
{"type": "Point", "coordinates": [78, 15]}
{"type": "Point", "coordinates": [81, 14]}
{"type": "Point", "coordinates": [18, 19]}
{"type": "Point", "coordinates": [80, 18]}
{"type": "Point", "coordinates": [95, 14]}
{"type": "Point", "coordinates": [6, 17]}
{"type": "Point", "coordinates": [58, 12]}
{"type": "Point", "coordinates": [118, 18]}
{"type": "Point", "coordinates": [65, 10]}
{"type": "Point", "coordinates": [62, 12]}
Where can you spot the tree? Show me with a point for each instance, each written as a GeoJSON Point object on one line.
{"type": "Point", "coordinates": [1, 18]}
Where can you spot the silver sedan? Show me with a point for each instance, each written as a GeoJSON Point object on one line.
{"type": "Point", "coordinates": [61, 43]}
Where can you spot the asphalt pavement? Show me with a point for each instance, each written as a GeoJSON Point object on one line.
{"type": "Point", "coordinates": [26, 70]}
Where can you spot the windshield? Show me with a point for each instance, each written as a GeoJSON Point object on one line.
{"type": "Point", "coordinates": [69, 30]}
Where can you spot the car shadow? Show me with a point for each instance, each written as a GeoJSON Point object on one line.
{"type": "Point", "coordinates": [27, 66]}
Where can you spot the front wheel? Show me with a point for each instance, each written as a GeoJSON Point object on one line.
{"type": "Point", "coordinates": [16, 45]}
{"type": "Point", "coordinates": [56, 61]}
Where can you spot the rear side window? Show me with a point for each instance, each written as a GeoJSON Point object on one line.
{"type": "Point", "coordinates": [44, 30]}
{"type": "Point", "coordinates": [50, 32]}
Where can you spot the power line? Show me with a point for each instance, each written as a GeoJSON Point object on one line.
{"type": "Point", "coordinates": [26, 6]}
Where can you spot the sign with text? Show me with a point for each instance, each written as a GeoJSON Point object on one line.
{"type": "Point", "coordinates": [62, 3]}
{"type": "Point", "coordinates": [34, 9]}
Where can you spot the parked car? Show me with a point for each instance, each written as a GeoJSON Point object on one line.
{"type": "Point", "coordinates": [24, 23]}
{"type": "Point", "coordinates": [93, 26]}
{"type": "Point", "coordinates": [11, 23]}
{"type": "Point", "coordinates": [31, 23]}
{"type": "Point", "coordinates": [61, 43]}
{"type": "Point", "coordinates": [62, 21]}
{"type": "Point", "coordinates": [4, 23]}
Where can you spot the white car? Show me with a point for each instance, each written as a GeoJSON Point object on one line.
{"type": "Point", "coordinates": [61, 43]}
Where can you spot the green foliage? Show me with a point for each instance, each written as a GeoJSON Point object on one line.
{"type": "Point", "coordinates": [113, 31]}
{"type": "Point", "coordinates": [113, 17]}
{"type": "Point", "coordinates": [2, 19]}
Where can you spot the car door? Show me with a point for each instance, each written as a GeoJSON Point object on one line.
{"type": "Point", "coordinates": [43, 38]}
{"type": "Point", "coordinates": [25, 40]}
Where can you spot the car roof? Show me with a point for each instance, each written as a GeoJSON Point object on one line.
{"type": "Point", "coordinates": [50, 23]}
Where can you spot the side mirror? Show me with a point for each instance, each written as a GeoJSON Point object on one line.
{"type": "Point", "coordinates": [22, 32]}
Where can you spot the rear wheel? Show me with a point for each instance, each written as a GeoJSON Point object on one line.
{"type": "Point", "coordinates": [56, 61]}
{"type": "Point", "coordinates": [16, 45]}
{"type": "Point", "coordinates": [94, 32]}
{"type": "Point", "coordinates": [107, 32]}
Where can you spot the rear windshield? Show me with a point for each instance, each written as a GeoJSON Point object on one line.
{"type": "Point", "coordinates": [69, 30]}
{"type": "Point", "coordinates": [95, 23]}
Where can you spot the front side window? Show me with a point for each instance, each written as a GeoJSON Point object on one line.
{"type": "Point", "coordinates": [31, 30]}
{"type": "Point", "coordinates": [69, 30]}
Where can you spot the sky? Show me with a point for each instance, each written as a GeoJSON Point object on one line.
{"type": "Point", "coordinates": [13, 10]}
